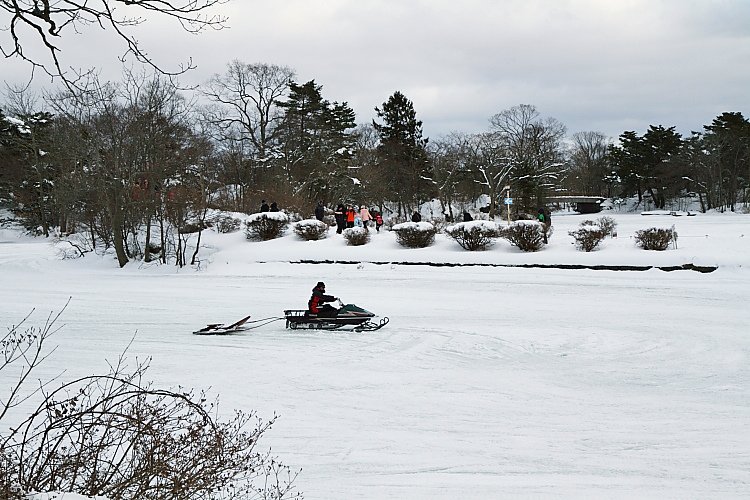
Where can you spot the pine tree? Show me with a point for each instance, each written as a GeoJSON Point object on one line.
{"type": "Point", "coordinates": [315, 144]}
{"type": "Point", "coordinates": [403, 156]}
{"type": "Point", "coordinates": [728, 139]}
{"type": "Point", "coordinates": [647, 163]}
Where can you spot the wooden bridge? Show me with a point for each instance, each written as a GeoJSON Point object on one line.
{"type": "Point", "coordinates": [583, 204]}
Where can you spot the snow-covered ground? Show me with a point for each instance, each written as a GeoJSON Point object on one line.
{"type": "Point", "coordinates": [489, 382]}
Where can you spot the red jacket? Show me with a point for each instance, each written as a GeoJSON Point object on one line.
{"type": "Point", "coordinates": [318, 298]}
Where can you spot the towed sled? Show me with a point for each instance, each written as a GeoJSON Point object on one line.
{"type": "Point", "coordinates": [349, 317]}
{"type": "Point", "coordinates": [240, 326]}
{"type": "Point", "coordinates": [222, 329]}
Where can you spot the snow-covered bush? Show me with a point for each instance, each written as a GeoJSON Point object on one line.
{"type": "Point", "coordinates": [587, 237]}
{"type": "Point", "coordinates": [310, 229]}
{"type": "Point", "coordinates": [527, 235]}
{"type": "Point", "coordinates": [655, 238]}
{"type": "Point", "coordinates": [473, 235]}
{"type": "Point", "coordinates": [226, 223]}
{"type": "Point", "coordinates": [356, 236]}
{"type": "Point", "coordinates": [266, 225]}
{"type": "Point", "coordinates": [415, 234]}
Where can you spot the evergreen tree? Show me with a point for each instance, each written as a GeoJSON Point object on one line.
{"type": "Point", "coordinates": [728, 140]}
{"type": "Point", "coordinates": [403, 155]}
{"type": "Point", "coordinates": [315, 144]}
{"type": "Point", "coordinates": [29, 175]}
{"type": "Point", "coordinates": [649, 163]}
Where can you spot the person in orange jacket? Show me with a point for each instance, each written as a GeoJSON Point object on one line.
{"type": "Point", "coordinates": [349, 216]}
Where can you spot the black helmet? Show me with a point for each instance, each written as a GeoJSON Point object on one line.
{"type": "Point", "coordinates": [320, 285]}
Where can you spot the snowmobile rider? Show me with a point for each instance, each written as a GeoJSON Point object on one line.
{"type": "Point", "coordinates": [316, 305]}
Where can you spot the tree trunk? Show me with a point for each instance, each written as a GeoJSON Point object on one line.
{"type": "Point", "coordinates": [146, 252]}
{"type": "Point", "coordinates": [117, 233]}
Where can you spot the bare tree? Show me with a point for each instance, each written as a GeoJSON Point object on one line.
{"type": "Point", "coordinates": [246, 96]}
{"type": "Point", "coordinates": [588, 164]}
{"type": "Point", "coordinates": [535, 147]}
{"type": "Point", "coordinates": [492, 164]}
{"type": "Point", "coordinates": [39, 24]}
{"type": "Point", "coordinates": [245, 115]}
{"type": "Point", "coordinates": [451, 169]}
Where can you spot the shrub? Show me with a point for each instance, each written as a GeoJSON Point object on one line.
{"type": "Point", "coordinates": [588, 237]}
{"type": "Point", "coordinates": [311, 229]}
{"type": "Point", "coordinates": [655, 238]}
{"type": "Point", "coordinates": [266, 225]}
{"type": "Point", "coordinates": [118, 436]}
{"type": "Point", "coordinates": [473, 235]}
{"type": "Point", "coordinates": [415, 234]}
{"type": "Point", "coordinates": [330, 220]}
{"type": "Point", "coordinates": [356, 236]}
{"type": "Point", "coordinates": [226, 224]}
{"type": "Point", "coordinates": [526, 235]}
{"type": "Point", "coordinates": [607, 225]}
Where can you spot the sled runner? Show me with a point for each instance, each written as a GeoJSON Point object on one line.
{"type": "Point", "coordinates": [221, 329]}
{"type": "Point", "coordinates": [349, 318]}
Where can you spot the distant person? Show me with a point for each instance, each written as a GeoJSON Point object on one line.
{"type": "Point", "coordinates": [320, 211]}
{"type": "Point", "coordinates": [349, 216]}
{"type": "Point", "coordinates": [264, 206]}
{"type": "Point", "coordinates": [366, 217]}
{"type": "Point", "coordinates": [415, 217]}
{"type": "Point", "coordinates": [378, 221]}
{"type": "Point", "coordinates": [547, 217]}
{"type": "Point", "coordinates": [468, 217]}
{"type": "Point", "coordinates": [317, 306]}
{"type": "Point", "coordinates": [544, 221]}
{"type": "Point", "coordinates": [340, 215]}
{"type": "Point", "coordinates": [274, 207]}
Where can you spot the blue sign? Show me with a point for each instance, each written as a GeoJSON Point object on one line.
{"type": "Point", "coordinates": [508, 201]}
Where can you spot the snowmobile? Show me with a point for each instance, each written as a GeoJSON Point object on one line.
{"type": "Point", "coordinates": [348, 317]}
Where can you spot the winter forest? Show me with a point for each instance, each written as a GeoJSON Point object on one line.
{"type": "Point", "coordinates": [113, 159]}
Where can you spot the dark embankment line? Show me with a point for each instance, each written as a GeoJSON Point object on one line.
{"type": "Point", "coordinates": [684, 267]}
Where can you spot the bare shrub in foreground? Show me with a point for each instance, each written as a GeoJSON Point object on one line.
{"type": "Point", "coordinates": [117, 436]}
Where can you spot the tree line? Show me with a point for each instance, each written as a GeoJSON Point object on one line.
{"type": "Point", "coordinates": [114, 160]}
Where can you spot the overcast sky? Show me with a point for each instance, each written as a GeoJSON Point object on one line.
{"type": "Point", "coordinates": [601, 65]}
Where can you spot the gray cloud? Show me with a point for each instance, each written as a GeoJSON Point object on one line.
{"type": "Point", "coordinates": [594, 65]}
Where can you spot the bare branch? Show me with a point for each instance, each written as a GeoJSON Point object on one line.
{"type": "Point", "coordinates": [40, 23]}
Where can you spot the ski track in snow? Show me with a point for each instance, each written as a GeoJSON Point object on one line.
{"type": "Point", "coordinates": [487, 383]}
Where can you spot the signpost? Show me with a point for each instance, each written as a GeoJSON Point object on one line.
{"type": "Point", "coordinates": [508, 201]}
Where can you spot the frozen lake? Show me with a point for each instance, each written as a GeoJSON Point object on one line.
{"type": "Point", "coordinates": [487, 383]}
